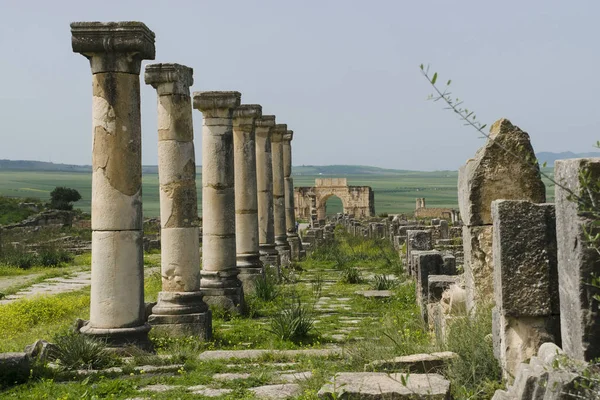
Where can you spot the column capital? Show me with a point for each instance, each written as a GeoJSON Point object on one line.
{"type": "Point", "coordinates": [113, 46]}
{"type": "Point", "coordinates": [209, 101]}
{"type": "Point", "coordinates": [265, 121]}
{"type": "Point", "coordinates": [278, 131]}
{"type": "Point", "coordinates": [169, 78]}
{"type": "Point", "coordinates": [288, 136]}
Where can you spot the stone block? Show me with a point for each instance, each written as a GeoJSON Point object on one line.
{"type": "Point", "coordinates": [578, 263]}
{"type": "Point", "coordinates": [524, 248]}
{"type": "Point", "coordinates": [14, 368]}
{"type": "Point", "coordinates": [379, 385]}
{"type": "Point", "coordinates": [521, 337]}
{"type": "Point", "coordinates": [430, 263]}
{"type": "Point", "coordinates": [479, 281]}
{"type": "Point", "coordinates": [417, 240]}
{"type": "Point", "coordinates": [496, 174]}
{"type": "Point", "coordinates": [414, 363]}
{"type": "Point", "coordinates": [449, 267]}
{"type": "Point", "coordinates": [437, 285]}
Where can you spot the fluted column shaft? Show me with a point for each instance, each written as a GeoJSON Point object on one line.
{"type": "Point", "coordinates": [246, 198]}
{"type": "Point", "coordinates": [219, 276]}
{"type": "Point", "coordinates": [290, 216]}
{"type": "Point", "coordinates": [180, 309]}
{"type": "Point", "coordinates": [117, 289]}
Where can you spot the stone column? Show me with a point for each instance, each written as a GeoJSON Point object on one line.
{"type": "Point", "coordinates": [115, 51]}
{"type": "Point", "coordinates": [578, 261]}
{"type": "Point", "coordinates": [219, 276]}
{"type": "Point", "coordinates": [281, 243]}
{"type": "Point", "coordinates": [290, 217]}
{"type": "Point", "coordinates": [264, 179]}
{"type": "Point", "coordinates": [246, 199]}
{"type": "Point", "coordinates": [180, 309]}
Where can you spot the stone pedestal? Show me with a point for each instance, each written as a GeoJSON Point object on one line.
{"type": "Point", "coordinates": [180, 309]}
{"type": "Point", "coordinates": [281, 243]}
{"type": "Point", "coordinates": [249, 265]}
{"type": "Point", "coordinates": [115, 51]}
{"type": "Point", "coordinates": [219, 276]}
{"type": "Point", "coordinates": [578, 262]}
{"type": "Point", "coordinates": [264, 180]}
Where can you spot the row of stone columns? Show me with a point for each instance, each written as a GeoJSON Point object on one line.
{"type": "Point", "coordinates": [246, 191]}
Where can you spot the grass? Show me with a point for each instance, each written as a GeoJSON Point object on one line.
{"type": "Point", "coordinates": [393, 327]}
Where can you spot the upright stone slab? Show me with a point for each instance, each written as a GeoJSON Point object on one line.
{"type": "Point", "coordinates": [290, 216]}
{"type": "Point", "coordinates": [416, 240]}
{"type": "Point", "coordinates": [246, 198]}
{"type": "Point", "coordinates": [525, 280]}
{"type": "Point", "coordinates": [499, 170]}
{"type": "Point", "coordinates": [115, 51]}
{"type": "Point", "coordinates": [429, 263]}
{"type": "Point", "coordinates": [219, 276]}
{"type": "Point", "coordinates": [264, 178]}
{"type": "Point", "coordinates": [578, 263]}
{"type": "Point", "coordinates": [180, 309]}
{"type": "Point", "coordinates": [281, 243]}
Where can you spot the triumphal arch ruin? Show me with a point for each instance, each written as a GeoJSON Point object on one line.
{"type": "Point", "coordinates": [356, 200]}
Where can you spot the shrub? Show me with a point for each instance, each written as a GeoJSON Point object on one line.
{"type": "Point", "coordinates": [293, 322]}
{"type": "Point", "coordinates": [317, 285]}
{"type": "Point", "coordinates": [54, 257]}
{"type": "Point", "coordinates": [382, 282]}
{"type": "Point", "coordinates": [62, 198]}
{"type": "Point", "coordinates": [265, 287]}
{"type": "Point", "coordinates": [351, 275]}
{"type": "Point", "coordinates": [76, 351]}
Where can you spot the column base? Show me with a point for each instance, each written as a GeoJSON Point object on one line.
{"type": "Point", "coordinates": [182, 314]}
{"type": "Point", "coordinates": [248, 277]}
{"type": "Point", "coordinates": [223, 289]}
{"type": "Point", "coordinates": [118, 339]}
{"type": "Point", "coordinates": [270, 259]}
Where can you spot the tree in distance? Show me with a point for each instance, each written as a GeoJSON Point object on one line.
{"type": "Point", "coordinates": [62, 198]}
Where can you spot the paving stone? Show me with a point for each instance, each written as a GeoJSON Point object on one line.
{"type": "Point", "coordinates": [419, 363]}
{"type": "Point", "coordinates": [209, 392]}
{"type": "Point", "coordinates": [230, 376]}
{"type": "Point", "coordinates": [159, 368]}
{"type": "Point", "coordinates": [159, 388]}
{"type": "Point", "coordinates": [379, 385]}
{"type": "Point", "coordinates": [375, 293]}
{"type": "Point", "coordinates": [282, 391]}
{"type": "Point", "coordinates": [292, 377]}
{"type": "Point", "coordinates": [252, 354]}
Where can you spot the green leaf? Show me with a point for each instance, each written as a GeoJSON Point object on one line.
{"type": "Point", "coordinates": [434, 79]}
{"type": "Point", "coordinates": [544, 164]}
{"type": "Point", "coordinates": [449, 82]}
{"type": "Point", "coordinates": [421, 66]}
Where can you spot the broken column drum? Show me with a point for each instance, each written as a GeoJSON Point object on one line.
{"type": "Point", "coordinates": [281, 243]}
{"type": "Point", "coordinates": [115, 51]}
{"type": "Point", "coordinates": [246, 201]}
{"type": "Point", "coordinates": [219, 275]}
{"type": "Point", "coordinates": [290, 215]}
{"type": "Point", "coordinates": [180, 309]}
{"type": "Point", "coordinates": [264, 181]}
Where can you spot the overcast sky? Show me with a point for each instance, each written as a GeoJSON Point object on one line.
{"type": "Point", "coordinates": [342, 74]}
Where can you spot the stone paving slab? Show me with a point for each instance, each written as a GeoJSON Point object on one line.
{"type": "Point", "coordinates": [378, 385]}
{"type": "Point", "coordinates": [253, 354]}
{"type": "Point", "coordinates": [275, 392]}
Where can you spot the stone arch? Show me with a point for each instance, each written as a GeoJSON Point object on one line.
{"type": "Point", "coordinates": [356, 200]}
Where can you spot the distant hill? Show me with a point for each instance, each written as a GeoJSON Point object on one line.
{"type": "Point", "coordinates": [341, 170]}
{"type": "Point", "coordinates": [24, 165]}
{"type": "Point", "coordinates": [550, 157]}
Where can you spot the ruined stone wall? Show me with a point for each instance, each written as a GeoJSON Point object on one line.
{"type": "Point", "coordinates": [444, 213]}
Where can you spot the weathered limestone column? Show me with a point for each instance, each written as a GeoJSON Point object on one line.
{"type": "Point", "coordinates": [493, 174]}
{"type": "Point", "coordinates": [219, 282]}
{"type": "Point", "coordinates": [281, 243]}
{"type": "Point", "coordinates": [264, 179]}
{"type": "Point", "coordinates": [578, 262]}
{"type": "Point", "coordinates": [115, 51]}
{"type": "Point", "coordinates": [180, 309]}
{"type": "Point", "coordinates": [525, 281]}
{"type": "Point", "coordinates": [290, 216]}
{"type": "Point", "coordinates": [246, 198]}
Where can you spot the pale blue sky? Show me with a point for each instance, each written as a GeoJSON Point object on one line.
{"type": "Point", "coordinates": [342, 74]}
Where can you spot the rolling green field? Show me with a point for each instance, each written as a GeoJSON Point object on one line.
{"type": "Point", "coordinates": [395, 191]}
